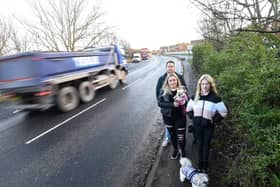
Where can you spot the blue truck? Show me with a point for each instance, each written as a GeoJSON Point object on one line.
{"type": "Point", "coordinates": [41, 80]}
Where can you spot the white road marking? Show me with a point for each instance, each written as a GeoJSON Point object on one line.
{"type": "Point", "coordinates": [134, 82]}
{"type": "Point", "coordinates": [65, 121]}
{"type": "Point", "coordinates": [151, 65]}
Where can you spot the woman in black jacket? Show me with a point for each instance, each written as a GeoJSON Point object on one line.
{"type": "Point", "coordinates": [205, 108]}
{"type": "Point", "coordinates": [173, 115]}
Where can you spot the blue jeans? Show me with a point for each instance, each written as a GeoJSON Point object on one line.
{"type": "Point", "coordinates": [167, 134]}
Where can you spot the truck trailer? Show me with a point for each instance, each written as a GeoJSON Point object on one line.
{"type": "Point", "coordinates": [41, 80]}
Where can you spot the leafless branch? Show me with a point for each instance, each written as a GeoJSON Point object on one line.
{"type": "Point", "coordinates": [5, 34]}
{"type": "Point", "coordinates": [261, 16]}
{"type": "Point", "coordinates": [66, 25]}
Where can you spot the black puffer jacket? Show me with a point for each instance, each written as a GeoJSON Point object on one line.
{"type": "Point", "coordinates": [165, 102]}
{"type": "Point", "coordinates": [207, 110]}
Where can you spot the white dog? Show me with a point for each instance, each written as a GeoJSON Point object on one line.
{"type": "Point", "coordinates": [188, 172]}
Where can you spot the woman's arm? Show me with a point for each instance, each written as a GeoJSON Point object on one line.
{"type": "Point", "coordinates": [164, 103]}
{"type": "Point", "coordinates": [190, 109]}
{"type": "Point", "coordinates": [221, 111]}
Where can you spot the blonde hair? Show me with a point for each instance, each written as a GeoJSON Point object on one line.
{"type": "Point", "coordinates": [165, 87]}
{"type": "Point", "coordinates": [211, 81]}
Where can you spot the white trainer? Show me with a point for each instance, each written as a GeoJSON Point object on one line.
{"type": "Point", "coordinates": [165, 143]}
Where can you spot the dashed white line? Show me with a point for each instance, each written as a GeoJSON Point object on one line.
{"type": "Point", "coordinates": [65, 121]}
{"type": "Point", "coordinates": [134, 82]}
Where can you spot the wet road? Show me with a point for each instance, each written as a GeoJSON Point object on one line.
{"type": "Point", "coordinates": [103, 143]}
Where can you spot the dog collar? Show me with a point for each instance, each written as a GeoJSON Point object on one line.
{"type": "Point", "coordinates": [192, 174]}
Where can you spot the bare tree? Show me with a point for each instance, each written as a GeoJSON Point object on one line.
{"type": "Point", "coordinates": [12, 41]}
{"type": "Point", "coordinates": [19, 43]}
{"type": "Point", "coordinates": [243, 15]}
{"type": "Point", "coordinates": [124, 43]}
{"type": "Point", "coordinates": [112, 38]}
{"type": "Point", "coordinates": [213, 30]}
{"type": "Point", "coordinates": [5, 34]}
{"type": "Point", "coordinates": [108, 38]}
{"type": "Point", "coordinates": [66, 25]}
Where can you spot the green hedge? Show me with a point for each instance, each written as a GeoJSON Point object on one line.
{"type": "Point", "coordinates": [247, 71]}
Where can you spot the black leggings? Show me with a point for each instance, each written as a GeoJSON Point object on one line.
{"type": "Point", "coordinates": [177, 130]}
{"type": "Point", "coordinates": [204, 136]}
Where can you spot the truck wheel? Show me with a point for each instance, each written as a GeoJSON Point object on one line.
{"type": "Point", "coordinates": [86, 91]}
{"type": "Point", "coordinates": [67, 99]}
{"type": "Point", "coordinates": [113, 81]}
{"type": "Point", "coordinates": [123, 75]}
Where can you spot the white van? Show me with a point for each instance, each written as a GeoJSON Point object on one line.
{"type": "Point", "coordinates": [136, 57]}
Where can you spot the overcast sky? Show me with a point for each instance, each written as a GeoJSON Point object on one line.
{"type": "Point", "coordinates": [143, 23]}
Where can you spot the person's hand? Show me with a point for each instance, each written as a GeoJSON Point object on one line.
{"type": "Point", "coordinates": [183, 102]}
{"type": "Point", "coordinates": [176, 104]}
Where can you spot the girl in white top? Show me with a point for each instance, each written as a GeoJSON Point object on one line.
{"type": "Point", "coordinates": [205, 109]}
